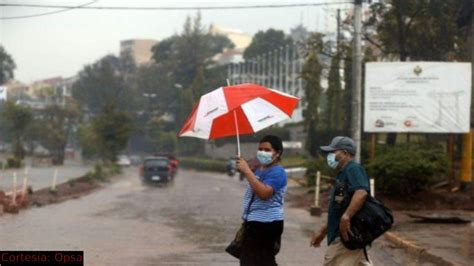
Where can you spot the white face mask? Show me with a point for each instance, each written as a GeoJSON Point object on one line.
{"type": "Point", "coordinates": [264, 157]}
{"type": "Point", "coordinates": [331, 160]}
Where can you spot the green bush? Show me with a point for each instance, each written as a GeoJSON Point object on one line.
{"type": "Point", "coordinates": [293, 161]}
{"type": "Point", "coordinates": [407, 168]}
{"type": "Point", "coordinates": [203, 164]}
{"type": "Point", "coordinates": [13, 162]}
{"type": "Point", "coordinates": [102, 171]}
{"type": "Point", "coordinates": [317, 164]}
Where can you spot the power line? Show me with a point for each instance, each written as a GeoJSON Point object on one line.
{"type": "Point", "coordinates": [49, 13]}
{"type": "Point", "coordinates": [178, 8]}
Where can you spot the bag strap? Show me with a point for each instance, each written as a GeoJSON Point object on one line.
{"type": "Point", "coordinates": [365, 254]}
{"type": "Point", "coordinates": [248, 207]}
{"type": "Point", "coordinates": [250, 203]}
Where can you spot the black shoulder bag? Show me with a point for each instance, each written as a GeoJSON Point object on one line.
{"type": "Point", "coordinates": [370, 222]}
{"type": "Point", "coordinates": [235, 247]}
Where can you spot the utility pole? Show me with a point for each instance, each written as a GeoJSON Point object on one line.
{"type": "Point", "coordinates": [280, 72]}
{"type": "Point", "coordinates": [287, 68]}
{"type": "Point", "coordinates": [338, 36]}
{"type": "Point", "coordinates": [275, 69]}
{"type": "Point", "coordinates": [357, 77]}
{"type": "Point", "coordinates": [254, 70]}
{"type": "Point", "coordinates": [229, 71]}
{"type": "Point", "coordinates": [264, 69]}
{"type": "Point", "coordinates": [293, 70]}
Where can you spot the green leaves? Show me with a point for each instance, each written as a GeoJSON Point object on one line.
{"type": "Point", "coordinates": [107, 134]}
{"type": "Point", "coordinates": [418, 30]}
{"type": "Point", "coordinates": [404, 169]}
{"type": "Point", "coordinates": [16, 120]}
{"type": "Point", "coordinates": [7, 65]}
{"type": "Point", "coordinates": [54, 126]}
{"type": "Point", "coordinates": [312, 70]}
{"type": "Point", "coordinates": [266, 41]}
{"type": "Point", "coordinates": [103, 83]}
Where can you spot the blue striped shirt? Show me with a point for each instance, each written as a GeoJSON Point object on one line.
{"type": "Point", "coordinates": [267, 210]}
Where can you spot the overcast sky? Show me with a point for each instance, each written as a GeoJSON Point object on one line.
{"type": "Point", "coordinates": [61, 44]}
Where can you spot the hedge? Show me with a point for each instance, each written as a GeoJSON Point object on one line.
{"type": "Point", "coordinates": [203, 164]}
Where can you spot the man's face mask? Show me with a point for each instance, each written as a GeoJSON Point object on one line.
{"type": "Point", "coordinates": [331, 160]}
{"type": "Point", "coordinates": [264, 157]}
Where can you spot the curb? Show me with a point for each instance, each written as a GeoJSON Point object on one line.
{"type": "Point", "coordinates": [418, 251]}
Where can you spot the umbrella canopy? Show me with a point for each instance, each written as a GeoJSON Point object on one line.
{"type": "Point", "coordinates": [236, 110]}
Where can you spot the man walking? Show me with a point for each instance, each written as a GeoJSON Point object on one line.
{"type": "Point", "coordinates": [340, 156]}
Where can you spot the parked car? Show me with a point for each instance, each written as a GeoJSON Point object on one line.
{"type": "Point", "coordinates": [123, 160]}
{"type": "Point", "coordinates": [156, 169]}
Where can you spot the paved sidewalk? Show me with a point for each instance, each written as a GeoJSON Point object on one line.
{"type": "Point", "coordinates": [439, 243]}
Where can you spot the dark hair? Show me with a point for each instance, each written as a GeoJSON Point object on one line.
{"type": "Point", "coordinates": [276, 143]}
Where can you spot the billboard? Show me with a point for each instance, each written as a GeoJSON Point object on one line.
{"type": "Point", "coordinates": [430, 97]}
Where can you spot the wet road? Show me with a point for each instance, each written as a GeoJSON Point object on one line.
{"type": "Point", "coordinates": [188, 222]}
{"type": "Point", "coordinates": [41, 177]}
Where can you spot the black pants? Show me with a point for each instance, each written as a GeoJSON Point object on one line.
{"type": "Point", "coordinates": [259, 243]}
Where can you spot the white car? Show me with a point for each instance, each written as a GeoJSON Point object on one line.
{"type": "Point", "coordinates": [123, 160]}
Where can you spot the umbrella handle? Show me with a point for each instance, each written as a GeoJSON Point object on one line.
{"type": "Point", "coordinates": [237, 134]}
{"type": "Point", "coordinates": [236, 127]}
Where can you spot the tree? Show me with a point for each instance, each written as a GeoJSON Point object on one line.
{"type": "Point", "coordinates": [107, 134]}
{"type": "Point", "coordinates": [16, 119]}
{"type": "Point", "coordinates": [161, 135]}
{"type": "Point", "coordinates": [103, 84]}
{"type": "Point", "coordinates": [54, 126]}
{"type": "Point", "coordinates": [7, 65]}
{"type": "Point", "coordinates": [266, 41]}
{"type": "Point", "coordinates": [189, 99]}
{"type": "Point", "coordinates": [347, 94]}
{"type": "Point", "coordinates": [417, 30]}
{"type": "Point", "coordinates": [183, 55]}
{"type": "Point", "coordinates": [182, 72]}
{"type": "Point", "coordinates": [333, 115]}
{"type": "Point", "coordinates": [311, 73]}
{"type": "Point", "coordinates": [156, 92]}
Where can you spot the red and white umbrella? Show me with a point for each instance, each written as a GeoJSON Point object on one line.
{"type": "Point", "coordinates": [237, 110]}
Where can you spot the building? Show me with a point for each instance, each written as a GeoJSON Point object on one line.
{"type": "Point", "coordinates": [44, 88]}
{"type": "Point", "coordinates": [64, 88]}
{"type": "Point", "coordinates": [240, 40]}
{"type": "Point", "coordinates": [16, 89]}
{"type": "Point", "coordinates": [139, 50]}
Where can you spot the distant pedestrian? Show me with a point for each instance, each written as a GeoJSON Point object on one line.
{"type": "Point", "coordinates": [263, 204]}
{"type": "Point", "coordinates": [340, 156]}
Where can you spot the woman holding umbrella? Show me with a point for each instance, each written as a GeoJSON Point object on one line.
{"type": "Point", "coordinates": [263, 204]}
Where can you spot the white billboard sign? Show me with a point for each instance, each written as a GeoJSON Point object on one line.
{"type": "Point", "coordinates": [430, 97]}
